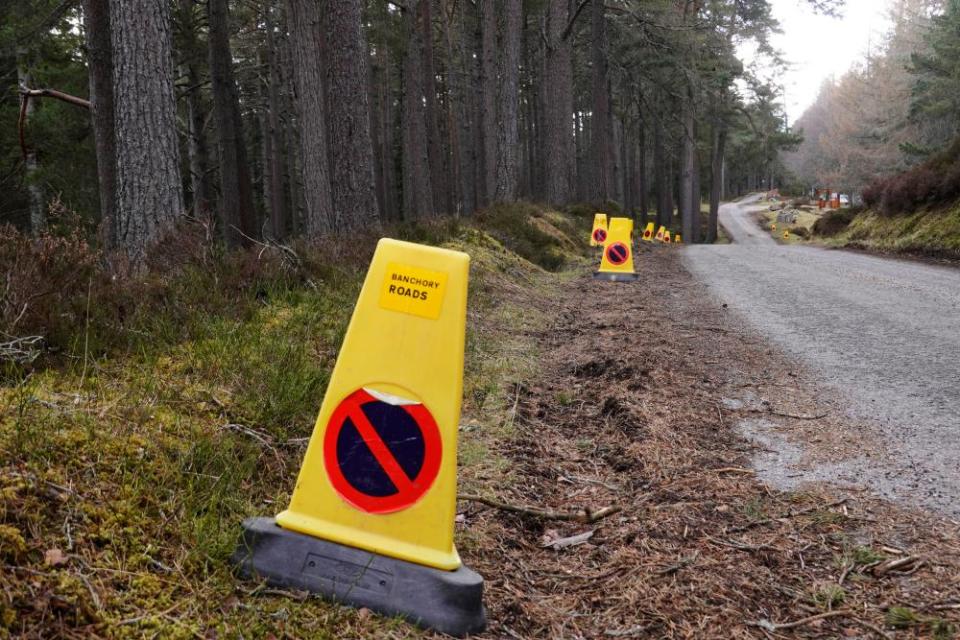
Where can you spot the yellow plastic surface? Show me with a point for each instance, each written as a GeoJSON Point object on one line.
{"type": "Point", "coordinates": [660, 233]}
{"type": "Point", "coordinates": [404, 344]}
{"type": "Point", "coordinates": [648, 232]}
{"type": "Point", "coordinates": [599, 222]}
{"type": "Point", "coordinates": [619, 233]}
{"type": "Point", "coordinates": [677, 239]}
{"type": "Point", "coordinates": [666, 237]}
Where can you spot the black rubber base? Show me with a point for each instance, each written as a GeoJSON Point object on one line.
{"type": "Point", "coordinates": [616, 277]}
{"type": "Point", "coordinates": [447, 601]}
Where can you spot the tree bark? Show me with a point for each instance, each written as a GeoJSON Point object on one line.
{"type": "Point", "coordinates": [237, 214]}
{"type": "Point", "coordinates": [558, 124]}
{"type": "Point", "coordinates": [348, 118]}
{"type": "Point", "coordinates": [435, 153]}
{"type": "Point", "coordinates": [303, 18]}
{"type": "Point", "coordinates": [38, 213]}
{"type": "Point", "coordinates": [716, 180]}
{"type": "Point", "coordinates": [508, 131]}
{"type": "Point", "coordinates": [662, 179]}
{"type": "Point", "coordinates": [149, 194]}
{"type": "Point", "coordinates": [274, 167]}
{"type": "Point", "coordinates": [488, 14]}
{"type": "Point", "coordinates": [601, 122]}
{"type": "Point", "coordinates": [686, 170]}
{"type": "Point", "coordinates": [96, 20]}
{"type": "Point", "coordinates": [417, 178]}
{"type": "Point", "coordinates": [641, 169]}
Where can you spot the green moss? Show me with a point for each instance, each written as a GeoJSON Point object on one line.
{"type": "Point", "coordinates": [927, 232]}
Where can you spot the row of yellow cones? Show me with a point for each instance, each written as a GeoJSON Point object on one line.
{"type": "Point", "coordinates": [616, 238]}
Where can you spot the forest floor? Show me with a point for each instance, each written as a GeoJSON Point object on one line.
{"type": "Point", "coordinates": [123, 483]}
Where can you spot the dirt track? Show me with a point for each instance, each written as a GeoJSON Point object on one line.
{"type": "Point", "coordinates": [640, 392]}
{"type": "Point", "coordinates": [883, 333]}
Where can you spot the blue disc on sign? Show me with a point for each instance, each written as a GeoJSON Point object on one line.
{"type": "Point", "coordinates": [381, 456]}
{"type": "Point", "coordinates": [400, 435]}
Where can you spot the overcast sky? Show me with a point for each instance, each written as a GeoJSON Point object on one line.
{"type": "Point", "coordinates": [817, 47]}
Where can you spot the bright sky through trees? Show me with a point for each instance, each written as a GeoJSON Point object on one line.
{"type": "Point", "coordinates": [817, 46]}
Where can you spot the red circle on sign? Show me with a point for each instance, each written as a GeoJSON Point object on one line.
{"type": "Point", "coordinates": [351, 411]}
{"type": "Point", "coordinates": [617, 253]}
{"type": "Point", "coordinates": [599, 235]}
{"type": "Point", "coordinates": [647, 233]}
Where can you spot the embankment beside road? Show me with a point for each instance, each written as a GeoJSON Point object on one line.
{"type": "Point", "coordinates": [931, 233]}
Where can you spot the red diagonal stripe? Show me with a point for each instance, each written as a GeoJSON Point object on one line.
{"type": "Point", "coordinates": [380, 450]}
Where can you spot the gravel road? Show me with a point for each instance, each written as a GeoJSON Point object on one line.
{"type": "Point", "coordinates": [884, 333]}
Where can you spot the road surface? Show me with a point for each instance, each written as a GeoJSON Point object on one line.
{"type": "Point", "coordinates": [885, 333]}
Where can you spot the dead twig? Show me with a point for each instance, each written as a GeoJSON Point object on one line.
{"type": "Point", "coordinates": [773, 627]}
{"type": "Point", "coordinates": [587, 516]}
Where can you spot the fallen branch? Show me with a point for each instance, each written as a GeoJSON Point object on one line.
{"type": "Point", "coordinates": [21, 350]}
{"type": "Point", "coordinates": [773, 627]}
{"type": "Point", "coordinates": [587, 516]}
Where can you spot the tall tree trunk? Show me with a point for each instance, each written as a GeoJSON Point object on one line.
{"type": "Point", "coordinates": [686, 170]}
{"type": "Point", "coordinates": [348, 117]}
{"type": "Point", "coordinates": [716, 179]}
{"type": "Point", "coordinates": [662, 179]}
{"type": "Point", "coordinates": [629, 154]}
{"type": "Point", "coordinates": [488, 14]}
{"type": "Point", "coordinates": [417, 178]}
{"type": "Point", "coordinates": [275, 161]}
{"type": "Point", "coordinates": [601, 122]}
{"type": "Point", "coordinates": [431, 112]}
{"type": "Point", "coordinates": [558, 141]}
{"type": "Point", "coordinates": [303, 19]}
{"type": "Point", "coordinates": [96, 21]}
{"type": "Point", "coordinates": [149, 194]}
{"type": "Point", "coordinates": [454, 114]}
{"type": "Point", "coordinates": [236, 190]}
{"type": "Point", "coordinates": [642, 188]}
{"type": "Point", "coordinates": [508, 131]}
{"type": "Point", "coordinates": [695, 196]}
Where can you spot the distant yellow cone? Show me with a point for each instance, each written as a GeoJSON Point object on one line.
{"type": "Point", "coordinates": [786, 235]}
{"type": "Point", "coordinates": [598, 236]}
{"type": "Point", "coordinates": [677, 239]}
{"type": "Point", "coordinates": [660, 233]}
{"type": "Point", "coordinates": [666, 237]}
{"type": "Point", "coordinates": [773, 227]}
{"type": "Point", "coordinates": [648, 233]}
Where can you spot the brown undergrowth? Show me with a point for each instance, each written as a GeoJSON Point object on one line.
{"type": "Point", "coordinates": [626, 411]}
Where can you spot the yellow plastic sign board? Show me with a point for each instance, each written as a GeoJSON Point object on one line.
{"type": "Point", "coordinates": [618, 251]}
{"type": "Point", "coordinates": [786, 235]}
{"type": "Point", "coordinates": [648, 232]}
{"type": "Point", "coordinates": [660, 233]}
{"type": "Point", "coordinates": [380, 472]}
{"type": "Point", "coordinates": [677, 239]}
{"type": "Point", "coordinates": [598, 236]}
{"type": "Point", "coordinates": [773, 227]}
{"type": "Point", "coordinates": [666, 237]}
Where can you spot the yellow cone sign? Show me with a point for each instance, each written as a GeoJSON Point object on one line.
{"type": "Point", "coordinates": [648, 232]}
{"type": "Point", "coordinates": [617, 261]}
{"type": "Point", "coordinates": [380, 470]}
{"type": "Point", "coordinates": [677, 239]}
{"type": "Point", "coordinates": [666, 237]}
{"type": "Point", "coordinates": [598, 235]}
{"type": "Point", "coordinates": [660, 233]}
